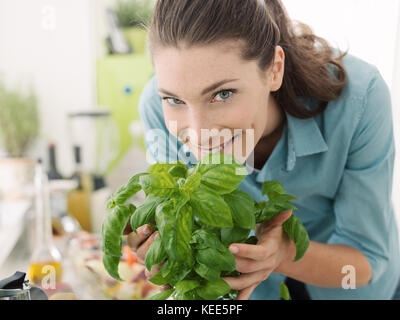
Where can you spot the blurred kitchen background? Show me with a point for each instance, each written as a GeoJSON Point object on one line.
{"type": "Point", "coordinates": [71, 74]}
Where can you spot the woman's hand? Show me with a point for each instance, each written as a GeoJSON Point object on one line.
{"type": "Point", "coordinates": [140, 244]}
{"type": "Point", "coordinates": [256, 262]}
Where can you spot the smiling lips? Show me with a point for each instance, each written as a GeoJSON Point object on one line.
{"type": "Point", "coordinates": [218, 148]}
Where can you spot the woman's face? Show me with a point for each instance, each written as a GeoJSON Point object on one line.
{"type": "Point", "coordinates": [214, 101]}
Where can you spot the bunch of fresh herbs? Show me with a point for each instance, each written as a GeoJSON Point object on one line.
{"type": "Point", "coordinates": [198, 213]}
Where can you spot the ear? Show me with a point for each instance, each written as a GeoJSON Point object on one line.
{"type": "Point", "coordinates": [277, 69]}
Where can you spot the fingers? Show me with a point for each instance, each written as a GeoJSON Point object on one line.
{"type": "Point", "coordinates": [135, 240]}
{"type": "Point", "coordinates": [144, 247]}
{"type": "Point", "coordinates": [245, 265]}
{"type": "Point", "coordinates": [245, 293]}
{"type": "Point", "coordinates": [247, 280]}
{"type": "Point", "coordinates": [254, 252]}
{"type": "Point", "coordinates": [279, 219]}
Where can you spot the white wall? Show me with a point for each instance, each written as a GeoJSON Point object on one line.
{"type": "Point", "coordinates": [50, 44]}
{"type": "Point", "coordinates": [371, 30]}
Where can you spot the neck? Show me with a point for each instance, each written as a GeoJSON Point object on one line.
{"type": "Point", "coordinates": [272, 135]}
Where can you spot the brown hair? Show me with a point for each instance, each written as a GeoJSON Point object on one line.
{"type": "Point", "coordinates": [262, 25]}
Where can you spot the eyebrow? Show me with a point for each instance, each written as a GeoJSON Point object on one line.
{"type": "Point", "coordinates": [206, 90]}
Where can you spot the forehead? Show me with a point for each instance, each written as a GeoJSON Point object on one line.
{"type": "Point", "coordinates": [188, 70]}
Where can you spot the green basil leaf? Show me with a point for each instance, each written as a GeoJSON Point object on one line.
{"type": "Point", "coordinates": [161, 184]}
{"type": "Point", "coordinates": [213, 290]}
{"type": "Point", "coordinates": [113, 226]}
{"type": "Point", "coordinates": [203, 239]}
{"type": "Point", "coordinates": [167, 268]}
{"type": "Point", "coordinates": [241, 205]}
{"type": "Point", "coordinates": [234, 235]}
{"type": "Point", "coordinates": [298, 234]}
{"type": "Point", "coordinates": [277, 197]}
{"type": "Point", "coordinates": [216, 231]}
{"type": "Point", "coordinates": [260, 205]}
{"type": "Point", "coordinates": [145, 213]}
{"type": "Point", "coordinates": [178, 171]}
{"type": "Point", "coordinates": [190, 295]}
{"type": "Point", "coordinates": [214, 259]}
{"type": "Point", "coordinates": [272, 186]}
{"type": "Point", "coordinates": [164, 295]}
{"type": "Point", "coordinates": [192, 182]}
{"type": "Point", "coordinates": [174, 272]}
{"type": "Point", "coordinates": [221, 172]}
{"type": "Point", "coordinates": [180, 198]}
{"type": "Point", "coordinates": [158, 279]}
{"type": "Point", "coordinates": [210, 208]}
{"type": "Point", "coordinates": [273, 209]}
{"type": "Point", "coordinates": [124, 193]}
{"type": "Point", "coordinates": [164, 167]}
{"type": "Point", "coordinates": [186, 285]}
{"type": "Point", "coordinates": [284, 292]}
{"type": "Point", "coordinates": [206, 272]}
{"type": "Point", "coordinates": [175, 229]}
{"type": "Point", "coordinates": [111, 264]}
{"type": "Point", "coordinates": [156, 254]}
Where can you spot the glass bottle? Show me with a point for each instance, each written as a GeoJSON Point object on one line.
{"type": "Point", "coordinates": [53, 173]}
{"type": "Point", "coordinates": [79, 199]}
{"type": "Point", "coordinates": [45, 266]}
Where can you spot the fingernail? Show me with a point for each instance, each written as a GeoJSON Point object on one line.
{"type": "Point", "coordinates": [234, 249]}
{"type": "Point", "coordinates": [156, 236]}
{"type": "Point", "coordinates": [146, 230]}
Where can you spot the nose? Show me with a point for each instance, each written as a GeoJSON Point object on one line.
{"type": "Point", "coordinates": [199, 124]}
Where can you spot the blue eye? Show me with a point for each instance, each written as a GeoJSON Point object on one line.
{"type": "Point", "coordinates": [174, 101]}
{"type": "Point", "coordinates": [225, 94]}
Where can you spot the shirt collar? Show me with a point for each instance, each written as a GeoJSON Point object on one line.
{"type": "Point", "coordinates": [301, 137]}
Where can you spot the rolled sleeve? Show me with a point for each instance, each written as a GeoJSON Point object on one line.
{"type": "Point", "coordinates": [362, 206]}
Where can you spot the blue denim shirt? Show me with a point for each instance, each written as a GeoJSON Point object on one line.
{"type": "Point", "coordinates": [339, 165]}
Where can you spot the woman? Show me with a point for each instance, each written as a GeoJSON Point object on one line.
{"type": "Point", "coordinates": [320, 122]}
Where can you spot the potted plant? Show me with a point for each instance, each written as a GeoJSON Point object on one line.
{"type": "Point", "coordinates": [133, 16]}
{"type": "Point", "coordinates": [19, 128]}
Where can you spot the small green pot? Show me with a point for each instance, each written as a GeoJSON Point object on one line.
{"type": "Point", "coordinates": [136, 38]}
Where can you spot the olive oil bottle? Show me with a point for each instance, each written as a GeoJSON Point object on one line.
{"type": "Point", "coordinates": [46, 262]}
{"type": "Point", "coordinates": [79, 199]}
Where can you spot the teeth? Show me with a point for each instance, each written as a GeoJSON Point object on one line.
{"type": "Point", "coordinates": [219, 149]}
{"type": "Point", "coordinates": [216, 150]}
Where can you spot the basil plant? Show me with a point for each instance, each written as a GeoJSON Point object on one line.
{"type": "Point", "coordinates": [198, 212]}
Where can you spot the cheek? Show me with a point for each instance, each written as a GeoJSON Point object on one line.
{"type": "Point", "coordinates": [242, 114]}
{"type": "Point", "coordinates": [174, 119]}
{"type": "Point", "coordinates": [255, 117]}
{"type": "Point", "coordinates": [252, 113]}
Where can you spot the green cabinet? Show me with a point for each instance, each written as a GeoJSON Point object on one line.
{"type": "Point", "coordinates": [120, 81]}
